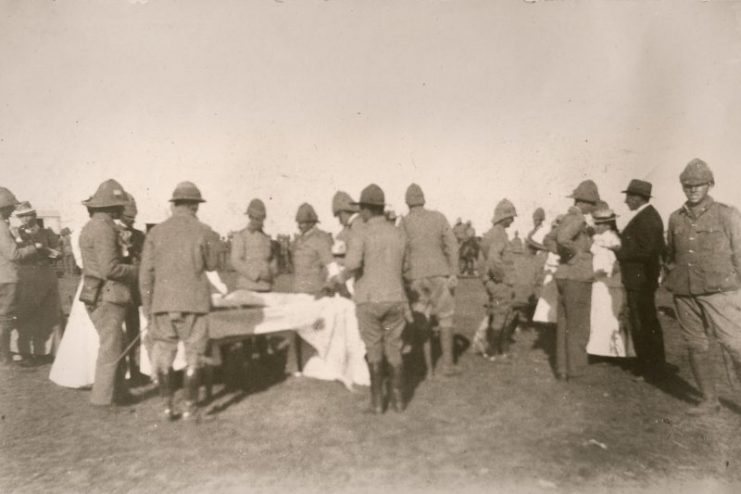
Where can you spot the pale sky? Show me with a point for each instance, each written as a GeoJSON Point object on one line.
{"type": "Point", "coordinates": [291, 100]}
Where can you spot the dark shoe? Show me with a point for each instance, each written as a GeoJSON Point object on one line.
{"type": "Point", "coordinates": [191, 388]}
{"type": "Point", "coordinates": [126, 399]}
{"type": "Point", "coordinates": [376, 388]}
{"type": "Point", "coordinates": [397, 389]}
{"type": "Point", "coordinates": [562, 376]}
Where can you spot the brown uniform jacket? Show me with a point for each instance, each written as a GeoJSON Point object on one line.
{"type": "Point", "coordinates": [573, 243]}
{"type": "Point", "coordinates": [311, 254]}
{"type": "Point", "coordinates": [704, 249]}
{"type": "Point", "coordinates": [433, 248]}
{"type": "Point", "coordinates": [378, 256]}
{"type": "Point", "coordinates": [252, 258]}
{"type": "Point", "coordinates": [177, 254]}
{"type": "Point", "coordinates": [10, 254]}
{"type": "Point", "coordinates": [496, 257]}
{"type": "Point", "coordinates": [102, 261]}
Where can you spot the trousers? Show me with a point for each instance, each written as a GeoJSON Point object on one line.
{"type": "Point", "coordinates": [572, 326]}
{"type": "Point", "coordinates": [108, 320]}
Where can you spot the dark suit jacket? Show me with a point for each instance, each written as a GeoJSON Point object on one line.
{"type": "Point", "coordinates": [642, 246]}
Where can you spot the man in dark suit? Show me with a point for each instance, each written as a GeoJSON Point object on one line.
{"type": "Point", "coordinates": [642, 246]}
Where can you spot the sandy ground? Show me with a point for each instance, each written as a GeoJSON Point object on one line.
{"type": "Point", "coordinates": [504, 427]}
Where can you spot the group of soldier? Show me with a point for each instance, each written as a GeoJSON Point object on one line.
{"type": "Point", "coordinates": [401, 273]}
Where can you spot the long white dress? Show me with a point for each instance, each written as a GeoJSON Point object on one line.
{"type": "Point", "coordinates": [545, 310]}
{"type": "Point", "coordinates": [608, 335]}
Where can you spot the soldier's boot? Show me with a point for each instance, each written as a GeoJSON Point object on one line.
{"type": "Point", "coordinates": [447, 345]}
{"type": "Point", "coordinates": [190, 391]}
{"type": "Point", "coordinates": [702, 368]}
{"type": "Point", "coordinates": [5, 357]}
{"type": "Point", "coordinates": [376, 387]}
{"type": "Point", "coordinates": [429, 365]}
{"type": "Point", "coordinates": [396, 383]}
{"type": "Point", "coordinates": [166, 387]}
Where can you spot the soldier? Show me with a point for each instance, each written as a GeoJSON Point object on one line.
{"type": "Point", "coordinates": [176, 295]}
{"type": "Point", "coordinates": [459, 230]}
{"type": "Point", "coordinates": [704, 275]}
{"type": "Point", "coordinates": [377, 255]}
{"type": "Point", "coordinates": [433, 276]}
{"type": "Point", "coordinates": [39, 306]}
{"type": "Point", "coordinates": [347, 215]}
{"type": "Point", "coordinates": [313, 264]}
{"type": "Point", "coordinates": [252, 254]}
{"type": "Point", "coordinates": [574, 282]}
{"type": "Point", "coordinates": [107, 283]}
{"type": "Point", "coordinates": [497, 275]}
{"type": "Point", "coordinates": [10, 254]}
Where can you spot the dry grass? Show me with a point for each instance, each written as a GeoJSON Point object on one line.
{"type": "Point", "coordinates": [500, 426]}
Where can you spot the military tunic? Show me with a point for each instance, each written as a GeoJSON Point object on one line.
{"type": "Point", "coordinates": [312, 256]}
{"type": "Point", "coordinates": [252, 257]}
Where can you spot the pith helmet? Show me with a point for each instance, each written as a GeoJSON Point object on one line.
{"type": "Point", "coordinates": [539, 214]}
{"type": "Point", "coordinates": [24, 209]}
{"type": "Point", "coordinates": [7, 199]}
{"type": "Point", "coordinates": [130, 208]}
{"type": "Point", "coordinates": [587, 192]}
{"type": "Point", "coordinates": [505, 209]}
{"type": "Point", "coordinates": [306, 214]}
{"type": "Point", "coordinates": [109, 194]}
{"type": "Point", "coordinates": [342, 202]}
{"type": "Point", "coordinates": [372, 195]}
{"type": "Point", "coordinates": [187, 191]}
{"type": "Point", "coordinates": [697, 172]}
{"type": "Point", "coordinates": [256, 209]}
{"type": "Point", "coordinates": [639, 188]}
{"type": "Point", "coordinates": [415, 196]}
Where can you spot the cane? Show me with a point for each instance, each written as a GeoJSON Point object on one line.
{"type": "Point", "coordinates": [129, 347]}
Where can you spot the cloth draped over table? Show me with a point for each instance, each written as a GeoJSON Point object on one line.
{"type": "Point", "coordinates": [328, 324]}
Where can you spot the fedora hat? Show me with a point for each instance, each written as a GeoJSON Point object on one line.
{"type": "Point", "coordinates": [639, 188]}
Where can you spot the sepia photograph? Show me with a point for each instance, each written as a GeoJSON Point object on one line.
{"type": "Point", "coordinates": [343, 246]}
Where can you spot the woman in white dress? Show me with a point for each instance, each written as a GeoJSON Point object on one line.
{"type": "Point", "coordinates": [608, 335]}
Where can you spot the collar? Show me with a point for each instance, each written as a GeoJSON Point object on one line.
{"type": "Point", "coordinates": [309, 231]}
{"type": "Point", "coordinates": [183, 212]}
{"type": "Point", "coordinates": [353, 218]}
{"type": "Point", "coordinates": [102, 216]}
{"type": "Point", "coordinates": [377, 219]}
{"type": "Point", "coordinates": [699, 209]}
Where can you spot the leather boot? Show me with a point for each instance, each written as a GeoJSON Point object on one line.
{"type": "Point", "coordinates": [376, 388]}
{"type": "Point", "coordinates": [447, 346]}
{"type": "Point", "coordinates": [702, 368]}
{"type": "Point", "coordinates": [165, 382]}
{"type": "Point", "coordinates": [5, 358]}
{"type": "Point", "coordinates": [190, 391]}
{"type": "Point", "coordinates": [396, 383]}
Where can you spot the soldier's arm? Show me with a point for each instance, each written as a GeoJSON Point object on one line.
{"type": "Point", "coordinates": [353, 258]}
{"type": "Point", "coordinates": [450, 246]}
{"type": "Point", "coordinates": [669, 248]}
{"type": "Point", "coordinates": [494, 262]}
{"type": "Point", "coordinates": [109, 259]}
{"type": "Point", "coordinates": [146, 275]}
{"type": "Point", "coordinates": [212, 250]}
{"type": "Point", "coordinates": [237, 259]}
{"type": "Point", "coordinates": [567, 232]}
{"type": "Point", "coordinates": [732, 220]}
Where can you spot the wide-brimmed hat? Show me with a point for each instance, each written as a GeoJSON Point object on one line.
{"type": "Point", "coordinates": [24, 209]}
{"type": "Point", "coordinates": [7, 198]}
{"type": "Point", "coordinates": [639, 188]}
{"type": "Point", "coordinates": [109, 194]}
{"type": "Point", "coordinates": [372, 195]}
{"type": "Point", "coordinates": [586, 191]}
{"type": "Point", "coordinates": [188, 192]}
{"type": "Point", "coordinates": [603, 215]}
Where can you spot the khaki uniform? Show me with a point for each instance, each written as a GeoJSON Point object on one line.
{"type": "Point", "coordinates": [106, 291]}
{"type": "Point", "coordinates": [174, 287]}
{"type": "Point", "coordinates": [497, 271]}
{"type": "Point", "coordinates": [574, 282]}
{"type": "Point", "coordinates": [312, 254]}
{"type": "Point", "coordinates": [378, 256]}
{"type": "Point", "coordinates": [704, 274]}
{"type": "Point", "coordinates": [252, 258]}
{"type": "Point", "coordinates": [433, 257]}
{"type": "Point", "coordinates": [38, 304]}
